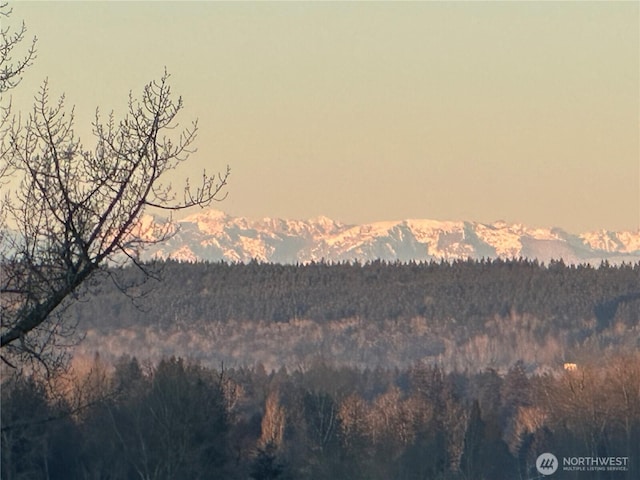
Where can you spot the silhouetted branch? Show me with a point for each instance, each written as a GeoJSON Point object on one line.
{"type": "Point", "coordinates": [76, 210]}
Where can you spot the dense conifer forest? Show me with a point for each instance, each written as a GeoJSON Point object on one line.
{"type": "Point", "coordinates": [464, 315]}
{"type": "Point", "coordinates": [468, 291]}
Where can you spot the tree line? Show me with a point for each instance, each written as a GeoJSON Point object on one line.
{"type": "Point", "coordinates": [176, 419]}
{"type": "Point", "coordinates": [469, 291]}
{"type": "Point", "coordinates": [465, 315]}
{"type": "Point", "coordinates": [466, 292]}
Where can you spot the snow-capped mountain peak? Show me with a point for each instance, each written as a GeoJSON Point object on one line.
{"type": "Point", "coordinates": [213, 235]}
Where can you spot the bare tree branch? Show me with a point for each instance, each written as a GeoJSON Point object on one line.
{"type": "Point", "coordinates": [75, 209]}
{"type": "Point", "coordinates": [11, 69]}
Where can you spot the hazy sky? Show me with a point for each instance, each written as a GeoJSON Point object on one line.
{"type": "Point", "coordinates": [525, 112]}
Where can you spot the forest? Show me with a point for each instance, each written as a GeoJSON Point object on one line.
{"type": "Point", "coordinates": [468, 290]}
{"type": "Point", "coordinates": [444, 371]}
{"type": "Point", "coordinates": [463, 370]}
{"type": "Point", "coordinates": [462, 315]}
{"type": "Point", "coordinates": [179, 420]}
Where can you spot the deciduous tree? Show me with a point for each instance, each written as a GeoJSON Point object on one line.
{"type": "Point", "coordinates": [69, 210]}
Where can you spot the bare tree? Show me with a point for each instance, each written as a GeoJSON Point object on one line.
{"type": "Point", "coordinates": [273, 422]}
{"type": "Point", "coordinates": [75, 209]}
{"type": "Point", "coordinates": [70, 211]}
{"type": "Point", "coordinates": [11, 70]}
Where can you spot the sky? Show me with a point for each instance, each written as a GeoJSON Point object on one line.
{"type": "Point", "coordinates": [369, 111]}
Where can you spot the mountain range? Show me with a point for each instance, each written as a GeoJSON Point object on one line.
{"type": "Point", "coordinates": [212, 235]}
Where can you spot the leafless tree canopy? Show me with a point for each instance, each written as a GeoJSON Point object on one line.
{"type": "Point", "coordinates": [14, 60]}
{"type": "Point", "coordinates": [68, 210]}
{"type": "Point", "coordinates": [12, 68]}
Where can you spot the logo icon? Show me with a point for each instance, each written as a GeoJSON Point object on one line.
{"type": "Point", "coordinates": [546, 464]}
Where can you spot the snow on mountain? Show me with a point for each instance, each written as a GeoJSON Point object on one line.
{"type": "Point", "coordinates": [625, 242]}
{"type": "Point", "coordinates": [213, 235]}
